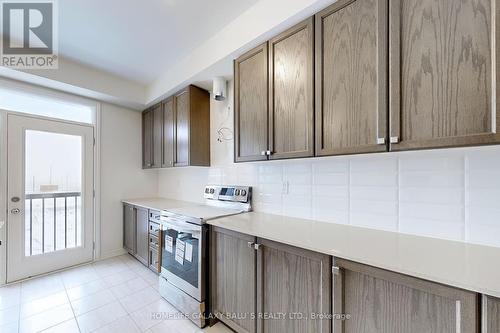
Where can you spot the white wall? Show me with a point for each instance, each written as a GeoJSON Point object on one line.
{"type": "Point", "coordinates": [260, 22]}
{"type": "Point", "coordinates": [121, 172]}
{"type": "Point", "coordinates": [78, 79]}
{"type": "Point", "coordinates": [450, 194]}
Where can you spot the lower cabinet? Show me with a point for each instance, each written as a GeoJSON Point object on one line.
{"type": "Point", "coordinates": [260, 286]}
{"type": "Point", "coordinates": [129, 229]}
{"type": "Point", "coordinates": [136, 232]}
{"type": "Point", "coordinates": [378, 301]}
{"type": "Point", "coordinates": [293, 289]}
{"type": "Point", "coordinates": [491, 314]}
{"type": "Point", "coordinates": [233, 267]}
{"type": "Point", "coordinates": [142, 235]}
{"type": "Point", "coordinates": [266, 287]}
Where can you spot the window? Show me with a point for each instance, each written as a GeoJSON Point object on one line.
{"type": "Point", "coordinates": [25, 98]}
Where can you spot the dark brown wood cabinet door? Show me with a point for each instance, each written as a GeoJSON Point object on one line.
{"type": "Point", "coordinates": [351, 77]}
{"type": "Point", "coordinates": [443, 71]}
{"type": "Point", "coordinates": [233, 279]}
{"type": "Point", "coordinates": [168, 133]}
{"type": "Point", "coordinates": [199, 127]}
{"type": "Point", "coordinates": [293, 281]}
{"type": "Point", "coordinates": [251, 105]}
{"type": "Point", "coordinates": [291, 92]}
{"type": "Point", "coordinates": [380, 301]}
{"type": "Point", "coordinates": [142, 229]}
{"type": "Point", "coordinates": [182, 128]}
{"type": "Point", "coordinates": [157, 136]}
{"type": "Point", "coordinates": [147, 139]}
{"type": "Point", "coordinates": [491, 314]}
{"type": "Point", "coordinates": [129, 229]}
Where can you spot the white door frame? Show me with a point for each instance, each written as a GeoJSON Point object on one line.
{"type": "Point", "coordinates": [3, 184]}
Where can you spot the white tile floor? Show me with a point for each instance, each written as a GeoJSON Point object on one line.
{"type": "Point", "coordinates": [114, 295]}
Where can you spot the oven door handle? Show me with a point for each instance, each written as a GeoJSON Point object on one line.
{"type": "Point", "coordinates": [182, 227]}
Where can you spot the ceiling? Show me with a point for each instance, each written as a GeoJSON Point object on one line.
{"type": "Point", "coordinates": [139, 40]}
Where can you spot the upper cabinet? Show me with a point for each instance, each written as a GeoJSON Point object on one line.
{"type": "Point", "coordinates": [147, 139]}
{"type": "Point", "coordinates": [168, 133]}
{"type": "Point", "coordinates": [443, 73]}
{"type": "Point", "coordinates": [274, 97]}
{"type": "Point", "coordinates": [351, 77]}
{"type": "Point", "coordinates": [388, 75]}
{"type": "Point", "coordinates": [176, 132]}
{"type": "Point", "coordinates": [291, 92]}
{"type": "Point", "coordinates": [157, 135]}
{"type": "Point", "coordinates": [251, 105]}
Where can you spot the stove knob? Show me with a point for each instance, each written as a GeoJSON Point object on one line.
{"type": "Point", "coordinates": [207, 190]}
{"type": "Point", "coordinates": [212, 191]}
{"type": "Point", "coordinates": [237, 192]}
{"type": "Point", "coordinates": [243, 193]}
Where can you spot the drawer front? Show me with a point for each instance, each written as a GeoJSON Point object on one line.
{"type": "Point", "coordinates": [154, 229]}
{"type": "Point", "coordinates": [154, 242]}
{"type": "Point", "coordinates": [154, 260]}
{"type": "Point", "coordinates": [154, 216]}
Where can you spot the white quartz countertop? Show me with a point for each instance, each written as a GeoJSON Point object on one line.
{"type": "Point", "coordinates": [467, 266]}
{"type": "Point", "coordinates": [158, 203]}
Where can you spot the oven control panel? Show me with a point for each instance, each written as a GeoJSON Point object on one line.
{"type": "Point", "coordinates": [228, 193]}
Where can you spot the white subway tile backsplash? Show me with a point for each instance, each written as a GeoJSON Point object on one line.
{"type": "Point", "coordinates": [451, 230]}
{"type": "Point", "coordinates": [374, 193]}
{"type": "Point", "coordinates": [381, 178]}
{"type": "Point", "coordinates": [428, 179]}
{"type": "Point", "coordinates": [449, 193]}
{"type": "Point", "coordinates": [432, 211]}
{"type": "Point", "coordinates": [431, 195]}
{"type": "Point", "coordinates": [374, 221]}
{"type": "Point", "coordinates": [330, 190]}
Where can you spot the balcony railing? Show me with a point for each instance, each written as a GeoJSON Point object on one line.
{"type": "Point", "coordinates": [52, 222]}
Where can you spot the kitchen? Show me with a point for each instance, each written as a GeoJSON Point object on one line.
{"type": "Point", "coordinates": [315, 166]}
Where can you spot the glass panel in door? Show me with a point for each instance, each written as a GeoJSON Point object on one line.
{"type": "Point", "coordinates": [53, 185]}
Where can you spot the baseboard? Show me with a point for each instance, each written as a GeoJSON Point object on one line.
{"type": "Point", "coordinates": [111, 254]}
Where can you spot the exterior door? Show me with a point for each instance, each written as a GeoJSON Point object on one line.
{"type": "Point", "coordinates": [50, 195]}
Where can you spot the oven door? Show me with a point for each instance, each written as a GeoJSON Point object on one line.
{"type": "Point", "coordinates": [183, 256]}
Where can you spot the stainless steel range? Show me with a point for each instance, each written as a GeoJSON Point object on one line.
{"type": "Point", "coordinates": [184, 259]}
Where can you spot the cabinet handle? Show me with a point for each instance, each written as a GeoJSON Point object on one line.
{"type": "Point", "coordinates": [263, 153]}
{"type": "Point", "coordinates": [257, 246]}
{"type": "Point", "coordinates": [394, 139]}
{"type": "Point", "coordinates": [269, 153]}
{"type": "Point", "coordinates": [250, 245]}
{"type": "Point", "coordinates": [381, 141]}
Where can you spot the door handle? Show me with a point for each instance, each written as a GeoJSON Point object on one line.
{"type": "Point", "coordinates": [15, 211]}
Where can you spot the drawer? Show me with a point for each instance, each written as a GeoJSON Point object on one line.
{"type": "Point", "coordinates": [154, 229]}
{"type": "Point", "coordinates": [154, 216]}
{"type": "Point", "coordinates": [154, 242]}
{"type": "Point", "coordinates": [154, 260]}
